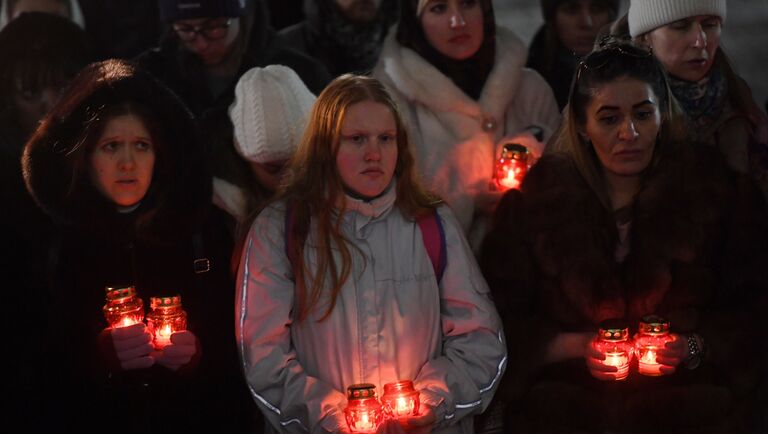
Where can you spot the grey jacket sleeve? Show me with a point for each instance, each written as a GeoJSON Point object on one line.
{"type": "Point", "coordinates": [463, 379]}
{"type": "Point", "coordinates": [290, 399]}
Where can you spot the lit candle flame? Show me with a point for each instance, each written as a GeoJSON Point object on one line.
{"type": "Point", "coordinates": [125, 322]}
{"type": "Point", "coordinates": [163, 335]}
{"type": "Point", "coordinates": [648, 364]}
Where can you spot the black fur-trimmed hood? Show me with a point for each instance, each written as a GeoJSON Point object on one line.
{"type": "Point", "coordinates": [55, 158]}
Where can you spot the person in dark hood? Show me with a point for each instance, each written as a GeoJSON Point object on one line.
{"type": "Point", "coordinates": [209, 45]}
{"type": "Point", "coordinates": [119, 166]}
{"type": "Point", "coordinates": [568, 33]}
{"type": "Point", "coordinates": [40, 54]}
{"type": "Point", "coordinates": [344, 35]}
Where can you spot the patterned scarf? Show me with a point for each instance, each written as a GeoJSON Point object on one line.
{"type": "Point", "coordinates": [702, 101]}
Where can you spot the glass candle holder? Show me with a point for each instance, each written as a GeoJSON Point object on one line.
{"type": "Point", "coordinates": [165, 317]}
{"type": "Point", "coordinates": [512, 166]}
{"type": "Point", "coordinates": [364, 413]}
{"type": "Point", "coordinates": [613, 341]}
{"type": "Point", "coordinates": [652, 335]}
{"type": "Point", "coordinates": [123, 307]}
{"type": "Point", "coordinates": [401, 399]}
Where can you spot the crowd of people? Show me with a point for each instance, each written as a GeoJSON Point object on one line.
{"type": "Point", "coordinates": [323, 198]}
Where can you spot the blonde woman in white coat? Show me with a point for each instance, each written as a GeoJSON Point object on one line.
{"type": "Point", "coordinates": [337, 286]}
{"type": "Point", "coordinates": [462, 85]}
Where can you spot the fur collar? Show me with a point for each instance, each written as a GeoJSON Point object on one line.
{"type": "Point", "coordinates": [677, 218]}
{"type": "Point", "coordinates": [423, 84]}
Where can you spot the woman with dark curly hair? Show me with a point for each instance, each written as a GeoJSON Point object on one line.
{"type": "Point", "coordinates": [118, 166]}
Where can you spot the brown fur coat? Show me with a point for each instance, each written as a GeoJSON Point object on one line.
{"type": "Point", "coordinates": [697, 255]}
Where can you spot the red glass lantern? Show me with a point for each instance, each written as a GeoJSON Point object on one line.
{"type": "Point", "coordinates": [613, 341]}
{"type": "Point", "coordinates": [364, 413]}
{"type": "Point", "coordinates": [165, 318]}
{"type": "Point", "coordinates": [652, 335]}
{"type": "Point", "coordinates": [123, 307]}
{"type": "Point", "coordinates": [401, 399]}
{"type": "Point", "coordinates": [512, 166]}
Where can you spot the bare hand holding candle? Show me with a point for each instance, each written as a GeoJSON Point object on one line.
{"type": "Point", "coordinates": [650, 340]}
{"type": "Point", "coordinates": [165, 318]}
{"type": "Point", "coordinates": [608, 356]}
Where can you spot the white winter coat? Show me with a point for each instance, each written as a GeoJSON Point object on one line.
{"type": "Point", "coordinates": [391, 322]}
{"type": "Point", "coordinates": [455, 155]}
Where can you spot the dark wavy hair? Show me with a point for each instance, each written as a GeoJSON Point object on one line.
{"type": "Point", "coordinates": [55, 160]}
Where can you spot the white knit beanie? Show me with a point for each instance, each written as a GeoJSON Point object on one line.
{"type": "Point", "coordinates": [646, 15]}
{"type": "Point", "coordinates": [420, 7]}
{"type": "Point", "coordinates": [269, 113]}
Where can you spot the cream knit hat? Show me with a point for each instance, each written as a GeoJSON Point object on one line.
{"type": "Point", "coordinates": [269, 113]}
{"type": "Point", "coordinates": [420, 7]}
{"type": "Point", "coordinates": [646, 15]}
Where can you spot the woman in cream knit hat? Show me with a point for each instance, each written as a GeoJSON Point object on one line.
{"type": "Point", "coordinates": [268, 117]}
{"type": "Point", "coordinates": [685, 37]}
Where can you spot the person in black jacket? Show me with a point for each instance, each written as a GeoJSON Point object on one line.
{"type": "Point", "coordinates": [209, 45]}
{"type": "Point", "coordinates": [40, 54]}
{"type": "Point", "coordinates": [568, 33]}
{"type": "Point", "coordinates": [344, 35]}
{"type": "Point", "coordinates": [119, 166]}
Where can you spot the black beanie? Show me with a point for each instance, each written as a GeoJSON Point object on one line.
{"type": "Point", "coordinates": [548, 8]}
{"type": "Point", "coordinates": [173, 10]}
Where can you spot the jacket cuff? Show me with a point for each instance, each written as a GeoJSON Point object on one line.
{"type": "Point", "coordinates": [437, 403]}
{"type": "Point", "coordinates": [334, 421]}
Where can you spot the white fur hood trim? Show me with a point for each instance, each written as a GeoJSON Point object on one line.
{"type": "Point", "coordinates": [422, 83]}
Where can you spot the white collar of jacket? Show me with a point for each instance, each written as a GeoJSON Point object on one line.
{"type": "Point", "coordinates": [424, 84]}
{"type": "Point", "coordinates": [361, 212]}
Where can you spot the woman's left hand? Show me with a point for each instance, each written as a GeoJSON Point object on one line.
{"type": "Point", "coordinates": [179, 352]}
{"type": "Point", "coordinates": [673, 354]}
{"type": "Point", "coordinates": [421, 423]}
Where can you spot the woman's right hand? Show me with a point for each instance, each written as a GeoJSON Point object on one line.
{"type": "Point", "coordinates": [596, 366]}
{"type": "Point", "coordinates": [133, 345]}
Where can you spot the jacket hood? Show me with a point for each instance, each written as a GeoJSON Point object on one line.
{"type": "Point", "coordinates": [55, 159]}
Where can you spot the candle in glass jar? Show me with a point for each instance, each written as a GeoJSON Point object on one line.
{"type": "Point", "coordinates": [613, 341]}
{"type": "Point", "coordinates": [401, 399]}
{"type": "Point", "coordinates": [165, 318]}
{"type": "Point", "coordinates": [512, 166]}
{"type": "Point", "coordinates": [363, 412]}
{"type": "Point", "coordinates": [652, 335]}
{"type": "Point", "coordinates": [123, 307]}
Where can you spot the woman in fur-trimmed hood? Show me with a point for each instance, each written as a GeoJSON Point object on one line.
{"type": "Point", "coordinates": [462, 86]}
{"type": "Point", "coordinates": [623, 220]}
{"type": "Point", "coordinates": [118, 165]}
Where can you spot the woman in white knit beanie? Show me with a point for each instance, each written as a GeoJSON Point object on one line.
{"type": "Point", "coordinates": [268, 115]}
{"type": "Point", "coordinates": [685, 36]}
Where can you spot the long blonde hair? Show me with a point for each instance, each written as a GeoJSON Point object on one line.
{"type": "Point", "coordinates": [313, 188]}
{"type": "Point", "coordinates": [612, 61]}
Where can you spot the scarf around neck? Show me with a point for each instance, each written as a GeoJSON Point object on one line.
{"type": "Point", "coordinates": [703, 101]}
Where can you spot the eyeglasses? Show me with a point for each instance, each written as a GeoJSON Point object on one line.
{"type": "Point", "coordinates": [210, 32]}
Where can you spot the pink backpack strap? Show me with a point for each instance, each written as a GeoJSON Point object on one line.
{"type": "Point", "coordinates": [433, 235]}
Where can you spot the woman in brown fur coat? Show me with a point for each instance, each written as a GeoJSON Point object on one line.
{"type": "Point", "coordinates": [619, 221]}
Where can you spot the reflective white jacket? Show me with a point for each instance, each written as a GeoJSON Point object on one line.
{"type": "Point", "coordinates": [392, 321]}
